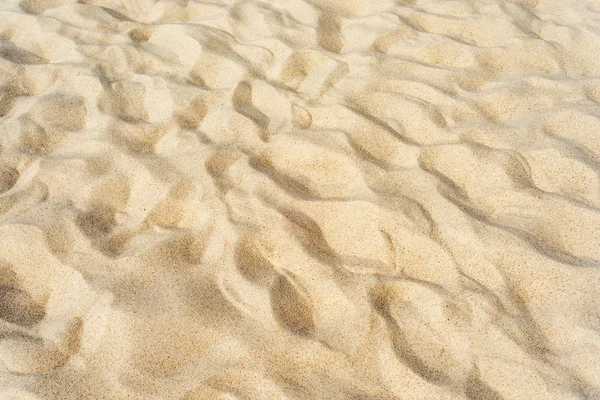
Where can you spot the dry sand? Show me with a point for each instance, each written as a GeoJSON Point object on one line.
{"type": "Point", "coordinates": [300, 199]}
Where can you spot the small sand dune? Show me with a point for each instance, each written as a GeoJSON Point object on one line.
{"type": "Point", "coordinates": [300, 199]}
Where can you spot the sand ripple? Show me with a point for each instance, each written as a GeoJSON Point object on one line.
{"type": "Point", "coordinates": [299, 199]}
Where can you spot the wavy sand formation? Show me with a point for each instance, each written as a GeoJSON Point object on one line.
{"type": "Point", "coordinates": [300, 199]}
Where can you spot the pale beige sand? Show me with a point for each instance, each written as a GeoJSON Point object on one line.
{"type": "Point", "coordinates": [300, 199]}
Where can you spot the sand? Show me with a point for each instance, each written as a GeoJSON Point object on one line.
{"type": "Point", "coordinates": [300, 199]}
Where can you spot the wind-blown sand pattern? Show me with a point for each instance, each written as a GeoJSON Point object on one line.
{"type": "Point", "coordinates": [300, 199]}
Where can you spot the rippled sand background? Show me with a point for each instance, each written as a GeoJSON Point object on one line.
{"type": "Point", "coordinates": [300, 199]}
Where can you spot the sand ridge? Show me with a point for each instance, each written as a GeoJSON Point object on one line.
{"type": "Point", "coordinates": [299, 199]}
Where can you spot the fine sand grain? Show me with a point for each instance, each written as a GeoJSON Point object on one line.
{"type": "Point", "coordinates": [299, 199]}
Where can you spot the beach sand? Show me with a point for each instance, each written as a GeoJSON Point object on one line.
{"type": "Point", "coordinates": [300, 199]}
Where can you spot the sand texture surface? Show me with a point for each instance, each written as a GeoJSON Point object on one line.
{"type": "Point", "coordinates": [299, 199]}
